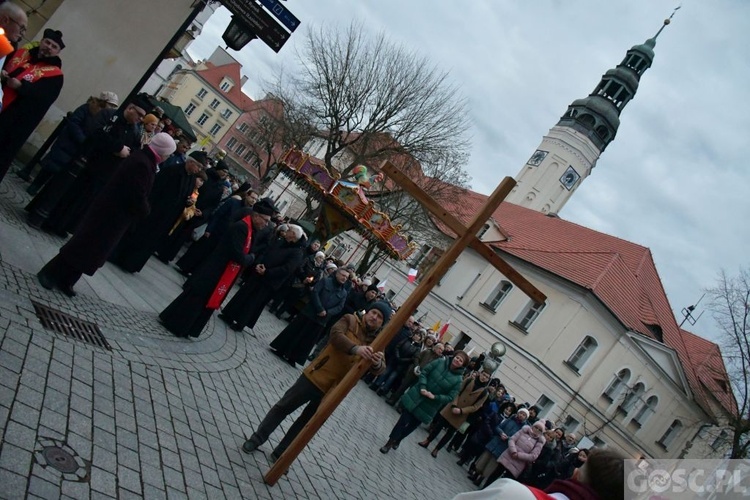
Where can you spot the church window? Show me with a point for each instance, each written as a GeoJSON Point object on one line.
{"type": "Point", "coordinates": [620, 382]}
{"type": "Point", "coordinates": [602, 132]}
{"type": "Point", "coordinates": [498, 295]}
{"type": "Point", "coordinates": [582, 354]}
{"type": "Point", "coordinates": [670, 435]}
{"type": "Point", "coordinates": [646, 411]}
{"type": "Point", "coordinates": [528, 315]}
{"type": "Point", "coordinates": [632, 397]}
{"type": "Point", "coordinates": [587, 120]}
{"type": "Point", "coordinates": [544, 404]}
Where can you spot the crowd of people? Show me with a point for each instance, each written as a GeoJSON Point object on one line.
{"type": "Point", "coordinates": [122, 182]}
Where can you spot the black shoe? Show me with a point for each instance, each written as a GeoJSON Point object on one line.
{"type": "Point", "coordinates": [24, 174]}
{"type": "Point", "coordinates": [225, 319]}
{"type": "Point", "coordinates": [45, 280]}
{"type": "Point", "coordinates": [395, 445]}
{"type": "Point", "coordinates": [183, 272]}
{"type": "Point", "coordinates": [373, 387]}
{"type": "Point", "coordinates": [69, 291]}
{"type": "Point", "coordinates": [32, 190]}
{"type": "Point", "coordinates": [461, 462]}
{"type": "Point", "coordinates": [249, 446]}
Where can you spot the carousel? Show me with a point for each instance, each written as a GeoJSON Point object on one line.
{"type": "Point", "coordinates": [344, 203]}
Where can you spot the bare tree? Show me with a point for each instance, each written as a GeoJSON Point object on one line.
{"type": "Point", "coordinates": [729, 301]}
{"type": "Point", "coordinates": [370, 99]}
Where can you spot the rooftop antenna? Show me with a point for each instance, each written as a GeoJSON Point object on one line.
{"type": "Point", "coordinates": [687, 313]}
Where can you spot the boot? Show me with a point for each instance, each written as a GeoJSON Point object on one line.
{"type": "Point", "coordinates": [385, 449]}
{"type": "Point", "coordinates": [435, 452]}
{"type": "Point", "coordinates": [425, 443]}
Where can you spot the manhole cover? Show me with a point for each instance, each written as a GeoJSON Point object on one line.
{"type": "Point", "coordinates": [60, 459]}
{"type": "Point", "coordinates": [54, 454]}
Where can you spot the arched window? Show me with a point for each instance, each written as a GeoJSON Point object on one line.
{"type": "Point", "coordinates": [620, 382]}
{"type": "Point", "coordinates": [602, 132]}
{"type": "Point", "coordinates": [528, 315]}
{"type": "Point", "coordinates": [498, 295]}
{"type": "Point", "coordinates": [646, 411]}
{"type": "Point", "coordinates": [587, 120]}
{"type": "Point", "coordinates": [632, 397]}
{"type": "Point", "coordinates": [670, 435]}
{"type": "Point", "coordinates": [582, 354]}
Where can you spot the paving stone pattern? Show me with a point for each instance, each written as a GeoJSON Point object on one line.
{"type": "Point", "coordinates": [162, 417]}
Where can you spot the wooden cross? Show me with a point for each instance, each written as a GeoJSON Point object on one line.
{"type": "Point", "coordinates": [466, 237]}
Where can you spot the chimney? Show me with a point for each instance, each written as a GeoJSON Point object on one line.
{"type": "Point", "coordinates": [243, 80]}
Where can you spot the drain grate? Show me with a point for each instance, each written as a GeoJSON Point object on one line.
{"type": "Point", "coordinates": [59, 322]}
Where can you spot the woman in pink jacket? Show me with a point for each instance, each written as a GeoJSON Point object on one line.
{"type": "Point", "coordinates": [523, 448]}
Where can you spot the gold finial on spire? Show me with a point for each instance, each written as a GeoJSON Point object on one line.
{"type": "Point", "coordinates": [667, 21]}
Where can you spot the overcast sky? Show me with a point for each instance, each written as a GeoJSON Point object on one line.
{"type": "Point", "coordinates": [673, 179]}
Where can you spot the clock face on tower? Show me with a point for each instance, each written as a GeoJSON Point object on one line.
{"type": "Point", "coordinates": [537, 158]}
{"type": "Point", "coordinates": [569, 178]}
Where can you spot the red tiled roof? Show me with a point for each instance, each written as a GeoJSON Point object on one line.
{"type": "Point", "coordinates": [214, 74]}
{"type": "Point", "coordinates": [709, 367]}
{"type": "Point", "coordinates": [620, 273]}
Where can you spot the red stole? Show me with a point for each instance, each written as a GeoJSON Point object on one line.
{"type": "Point", "coordinates": [29, 72]}
{"type": "Point", "coordinates": [230, 273]}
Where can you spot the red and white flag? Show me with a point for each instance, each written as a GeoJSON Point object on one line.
{"type": "Point", "coordinates": [412, 275]}
{"type": "Point", "coordinates": [381, 285]}
{"type": "Point", "coordinates": [443, 330]}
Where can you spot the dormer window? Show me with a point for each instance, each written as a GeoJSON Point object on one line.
{"type": "Point", "coordinates": [226, 84]}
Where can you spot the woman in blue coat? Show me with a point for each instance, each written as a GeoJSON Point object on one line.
{"type": "Point", "coordinates": [439, 383]}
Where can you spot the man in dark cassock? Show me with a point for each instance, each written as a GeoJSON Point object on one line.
{"type": "Point", "coordinates": [64, 200]}
{"type": "Point", "coordinates": [280, 260]}
{"type": "Point", "coordinates": [206, 289]}
{"type": "Point", "coordinates": [123, 200]}
{"type": "Point", "coordinates": [295, 342]}
{"type": "Point", "coordinates": [31, 79]}
{"type": "Point", "coordinates": [220, 220]}
{"type": "Point", "coordinates": [171, 194]}
{"type": "Point", "coordinates": [209, 198]}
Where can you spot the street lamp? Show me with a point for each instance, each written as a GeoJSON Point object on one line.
{"type": "Point", "coordinates": [237, 34]}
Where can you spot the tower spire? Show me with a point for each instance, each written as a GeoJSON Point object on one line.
{"type": "Point", "coordinates": [569, 152]}
{"type": "Point", "coordinates": [666, 22]}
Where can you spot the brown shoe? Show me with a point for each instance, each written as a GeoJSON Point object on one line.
{"type": "Point", "coordinates": [424, 444]}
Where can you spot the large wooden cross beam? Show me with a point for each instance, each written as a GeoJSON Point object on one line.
{"type": "Point", "coordinates": [466, 237]}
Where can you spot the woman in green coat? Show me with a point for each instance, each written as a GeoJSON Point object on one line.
{"type": "Point", "coordinates": [438, 384]}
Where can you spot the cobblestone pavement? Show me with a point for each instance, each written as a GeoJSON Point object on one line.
{"type": "Point", "coordinates": [162, 417]}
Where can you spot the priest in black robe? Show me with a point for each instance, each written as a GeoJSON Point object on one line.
{"type": "Point", "coordinates": [206, 289]}
{"type": "Point", "coordinates": [123, 200]}
{"type": "Point", "coordinates": [281, 258]}
{"type": "Point", "coordinates": [171, 195]}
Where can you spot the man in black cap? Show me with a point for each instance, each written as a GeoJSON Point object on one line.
{"type": "Point", "coordinates": [31, 79]}
{"type": "Point", "coordinates": [209, 285]}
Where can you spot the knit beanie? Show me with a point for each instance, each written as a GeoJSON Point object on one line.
{"type": "Point", "coordinates": [163, 145]}
{"type": "Point", "coordinates": [384, 309]}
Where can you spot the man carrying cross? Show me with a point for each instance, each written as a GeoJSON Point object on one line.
{"type": "Point", "coordinates": [349, 342]}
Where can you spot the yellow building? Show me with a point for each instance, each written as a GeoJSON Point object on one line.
{"type": "Point", "coordinates": [211, 96]}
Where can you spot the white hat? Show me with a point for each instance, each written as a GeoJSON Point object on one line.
{"type": "Point", "coordinates": [109, 98]}
{"type": "Point", "coordinates": [367, 281]}
{"type": "Point", "coordinates": [331, 265]}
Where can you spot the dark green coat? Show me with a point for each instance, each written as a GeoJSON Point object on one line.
{"type": "Point", "coordinates": [440, 380]}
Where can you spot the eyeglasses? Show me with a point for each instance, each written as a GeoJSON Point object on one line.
{"type": "Point", "coordinates": [21, 27]}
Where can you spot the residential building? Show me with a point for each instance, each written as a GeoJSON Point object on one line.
{"type": "Point", "coordinates": [210, 94]}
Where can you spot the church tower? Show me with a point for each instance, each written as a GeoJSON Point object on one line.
{"type": "Point", "coordinates": [570, 150]}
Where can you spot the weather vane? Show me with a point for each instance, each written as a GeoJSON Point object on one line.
{"type": "Point", "coordinates": [667, 21]}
